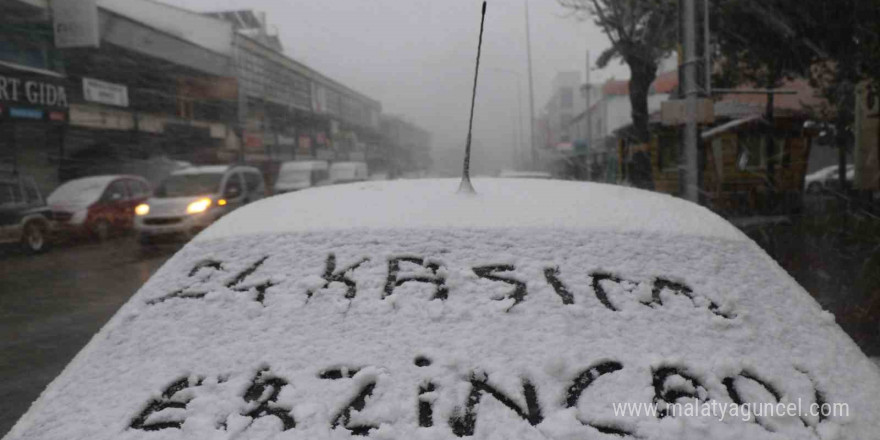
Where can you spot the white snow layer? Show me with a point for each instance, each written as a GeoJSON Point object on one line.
{"type": "Point", "coordinates": [250, 337]}
{"type": "Point", "coordinates": [499, 203]}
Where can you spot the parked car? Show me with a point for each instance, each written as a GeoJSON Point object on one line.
{"type": "Point", "coordinates": [832, 181]}
{"type": "Point", "coordinates": [24, 217]}
{"type": "Point", "coordinates": [189, 200]}
{"type": "Point", "coordinates": [534, 309]}
{"type": "Point", "coordinates": [297, 175]}
{"type": "Point", "coordinates": [98, 205]}
{"type": "Point", "coordinates": [826, 177]}
{"type": "Point", "coordinates": [346, 172]}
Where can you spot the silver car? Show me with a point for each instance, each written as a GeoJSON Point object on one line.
{"type": "Point", "coordinates": [189, 200]}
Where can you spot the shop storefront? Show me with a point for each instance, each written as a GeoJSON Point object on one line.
{"type": "Point", "coordinates": [33, 119]}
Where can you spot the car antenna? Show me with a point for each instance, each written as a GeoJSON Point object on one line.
{"type": "Point", "coordinates": [465, 186]}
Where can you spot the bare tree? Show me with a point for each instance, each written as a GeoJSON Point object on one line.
{"type": "Point", "coordinates": [642, 33]}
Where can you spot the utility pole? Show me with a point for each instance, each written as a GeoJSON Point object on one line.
{"type": "Point", "coordinates": [707, 54]}
{"type": "Point", "coordinates": [588, 120]}
{"type": "Point", "coordinates": [688, 172]}
{"type": "Point", "coordinates": [531, 93]}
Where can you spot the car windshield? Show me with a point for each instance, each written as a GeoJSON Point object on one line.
{"type": "Point", "coordinates": [189, 185]}
{"type": "Point", "coordinates": [293, 176]}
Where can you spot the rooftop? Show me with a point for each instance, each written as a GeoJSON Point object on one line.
{"type": "Point", "coordinates": [206, 169]}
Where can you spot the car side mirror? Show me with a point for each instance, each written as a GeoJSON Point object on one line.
{"type": "Point", "coordinates": [232, 192]}
{"type": "Point", "coordinates": [115, 197]}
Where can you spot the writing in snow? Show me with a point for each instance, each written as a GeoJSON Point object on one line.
{"type": "Point", "coordinates": [433, 274]}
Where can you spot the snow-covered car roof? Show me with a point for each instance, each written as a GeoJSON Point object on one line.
{"type": "Point", "coordinates": [84, 190]}
{"type": "Point", "coordinates": [499, 203]}
{"type": "Point", "coordinates": [401, 310]}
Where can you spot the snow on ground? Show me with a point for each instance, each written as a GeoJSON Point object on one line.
{"type": "Point", "coordinates": [307, 333]}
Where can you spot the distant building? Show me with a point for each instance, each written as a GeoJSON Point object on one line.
{"type": "Point", "coordinates": [289, 111]}
{"type": "Point", "coordinates": [610, 110]}
{"type": "Point", "coordinates": [155, 81]}
{"type": "Point", "coordinates": [739, 174]}
{"type": "Point", "coordinates": [406, 148]}
{"type": "Point", "coordinates": [561, 108]}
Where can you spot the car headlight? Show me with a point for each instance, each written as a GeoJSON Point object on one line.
{"type": "Point", "coordinates": [142, 209]}
{"type": "Point", "coordinates": [198, 206]}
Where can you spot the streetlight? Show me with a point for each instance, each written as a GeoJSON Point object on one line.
{"type": "Point", "coordinates": [519, 135]}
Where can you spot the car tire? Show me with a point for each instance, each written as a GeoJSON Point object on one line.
{"type": "Point", "coordinates": [102, 230]}
{"type": "Point", "coordinates": [34, 238]}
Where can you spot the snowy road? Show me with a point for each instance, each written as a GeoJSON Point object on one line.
{"type": "Point", "coordinates": [52, 304]}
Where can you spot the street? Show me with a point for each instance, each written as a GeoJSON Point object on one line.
{"type": "Point", "coordinates": [52, 304]}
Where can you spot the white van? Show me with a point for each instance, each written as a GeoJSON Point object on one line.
{"type": "Point", "coordinates": [345, 172]}
{"type": "Point", "coordinates": [191, 199]}
{"type": "Point", "coordinates": [302, 174]}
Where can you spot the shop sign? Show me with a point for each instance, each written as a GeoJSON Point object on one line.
{"type": "Point", "coordinates": [25, 113]}
{"type": "Point", "coordinates": [253, 140]}
{"type": "Point", "coordinates": [305, 144]}
{"type": "Point", "coordinates": [105, 93]}
{"type": "Point", "coordinates": [15, 90]}
{"type": "Point", "coordinates": [75, 23]}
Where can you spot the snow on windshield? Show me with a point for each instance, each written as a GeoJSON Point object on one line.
{"type": "Point", "coordinates": [439, 334]}
{"type": "Point", "coordinates": [80, 192]}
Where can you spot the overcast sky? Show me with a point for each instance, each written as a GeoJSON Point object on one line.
{"type": "Point", "coordinates": [417, 56]}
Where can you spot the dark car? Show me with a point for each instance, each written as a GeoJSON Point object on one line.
{"type": "Point", "coordinates": [24, 217]}
{"type": "Point", "coordinates": [98, 205]}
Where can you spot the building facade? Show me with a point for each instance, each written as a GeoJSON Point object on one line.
{"type": "Point", "coordinates": [287, 110]}
{"type": "Point", "coordinates": [110, 105]}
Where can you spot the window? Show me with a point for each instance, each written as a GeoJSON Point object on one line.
{"type": "Point", "coordinates": [138, 189]}
{"type": "Point", "coordinates": [10, 193]}
{"type": "Point", "coordinates": [252, 181]}
{"type": "Point", "coordinates": [233, 185]}
{"type": "Point", "coordinates": [751, 152]}
{"type": "Point", "coordinates": [30, 190]}
{"type": "Point", "coordinates": [116, 191]}
{"type": "Point", "coordinates": [667, 151]}
{"type": "Point", "coordinates": [566, 97]}
{"type": "Point", "coordinates": [189, 185]}
{"type": "Point", "coordinates": [319, 176]}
